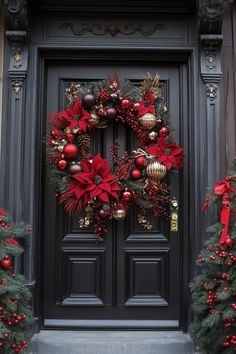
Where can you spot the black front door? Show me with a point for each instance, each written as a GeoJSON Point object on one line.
{"type": "Point", "coordinates": [133, 278]}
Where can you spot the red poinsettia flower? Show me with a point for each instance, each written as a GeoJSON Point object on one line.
{"type": "Point", "coordinates": [12, 241]}
{"type": "Point", "coordinates": [168, 154]}
{"type": "Point", "coordinates": [146, 105]}
{"type": "Point", "coordinates": [77, 117]}
{"type": "Point", "coordinates": [95, 181]}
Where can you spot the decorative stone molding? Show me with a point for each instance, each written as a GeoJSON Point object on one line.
{"type": "Point", "coordinates": [210, 19]}
{"type": "Point", "coordinates": [211, 90]}
{"type": "Point", "coordinates": [100, 29]}
{"type": "Point", "coordinates": [17, 33]}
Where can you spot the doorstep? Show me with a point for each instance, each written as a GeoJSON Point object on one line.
{"type": "Point", "coordinates": [111, 342]}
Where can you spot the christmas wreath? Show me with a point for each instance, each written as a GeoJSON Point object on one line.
{"type": "Point", "coordinates": [86, 184]}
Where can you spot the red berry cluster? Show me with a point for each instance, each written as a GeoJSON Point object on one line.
{"type": "Point", "coordinates": [212, 298]}
{"type": "Point", "coordinates": [12, 319]}
{"type": "Point", "coordinates": [103, 95]}
{"type": "Point", "coordinates": [228, 321]}
{"type": "Point", "coordinates": [129, 116]}
{"type": "Point", "coordinates": [5, 225]}
{"type": "Point", "coordinates": [230, 340]}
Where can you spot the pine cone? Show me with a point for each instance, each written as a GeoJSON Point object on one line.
{"type": "Point", "coordinates": [84, 141]}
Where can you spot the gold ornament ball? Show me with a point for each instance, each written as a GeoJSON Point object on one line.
{"type": "Point", "coordinates": [148, 121]}
{"type": "Point", "coordinates": [156, 170]}
{"type": "Point", "coordinates": [119, 214]}
{"type": "Point", "coordinates": [153, 135]}
{"type": "Point", "coordinates": [94, 120]}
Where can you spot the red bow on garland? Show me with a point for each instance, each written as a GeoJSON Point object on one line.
{"type": "Point", "coordinates": [223, 188]}
{"type": "Point", "coordinates": [146, 105]}
{"type": "Point", "coordinates": [77, 117]}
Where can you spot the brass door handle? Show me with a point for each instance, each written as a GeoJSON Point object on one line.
{"type": "Point", "coordinates": [174, 216]}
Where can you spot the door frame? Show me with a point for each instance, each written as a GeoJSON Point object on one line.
{"type": "Point", "coordinates": [23, 77]}
{"type": "Point", "coordinates": [184, 59]}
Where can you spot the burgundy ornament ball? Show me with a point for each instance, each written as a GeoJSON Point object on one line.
{"type": "Point", "coordinates": [127, 195]}
{"type": "Point", "coordinates": [70, 151]}
{"type": "Point", "coordinates": [111, 112]}
{"type": "Point", "coordinates": [62, 164]}
{"type": "Point", "coordinates": [6, 263]}
{"type": "Point", "coordinates": [140, 161]}
{"type": "Point", "coordinates": [88, 100]}
{"type": "Point", "coordinates": [75, 168]}
{"type": "Point", "coordinates": [136, 174]}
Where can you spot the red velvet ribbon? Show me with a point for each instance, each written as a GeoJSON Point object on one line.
{"type": "Point", "coordinates": [224, 218]}
{"type": "Point", "coordinates": [224, 188]}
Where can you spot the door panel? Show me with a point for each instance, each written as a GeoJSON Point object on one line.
{"type": "Point", "coordinates": [131, 277]}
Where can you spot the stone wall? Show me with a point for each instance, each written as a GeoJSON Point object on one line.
{"type": "Point", "coordinates": [228, 87]}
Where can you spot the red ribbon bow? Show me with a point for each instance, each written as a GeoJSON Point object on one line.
{"type": "Point", "coordinates": [223, 188]}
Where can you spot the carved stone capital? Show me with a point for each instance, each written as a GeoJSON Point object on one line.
{"type": "Point", "coordinates": [17, 33]}
{"type": "Point", "coordinates": [210, 16]}
{"type": "Point", "coordinates": [210, 19]}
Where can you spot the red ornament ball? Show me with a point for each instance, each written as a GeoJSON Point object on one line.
{"type": "Point", "coordinates": [229, 242]}
{"type": "Point", "coordinates": [70, 137]}
{"type": "Point", "coordinates": [163, 132]}
{"type": "Point", "coordinates": [6, 263]}
{"type": "Point", "coordinates": [136, 106]}
{"type": "Point", "coordinates": [125, 103]}
{"type": "Point", "coordinates": [55, 134]}
{"type": "Point", "coordinates": [111, 112]}
{"type": "Point", "coordinates": [70, 151]}
{"type": "Point", "coordinates": [140, 161]}
{"type": "Point", "coordinates": [126, 196]}
{"type": "Point", "coordinates": [88, 100]}
{"type": "Point", "coordinates": [136, 174]}
{"type": "Point", "coordinates": [62, 164]}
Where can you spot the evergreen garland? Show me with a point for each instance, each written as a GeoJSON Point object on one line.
{"type": "Point", "coordinates": [15, 311]}
{"type": "Point", "coordinates": [214, 290]}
